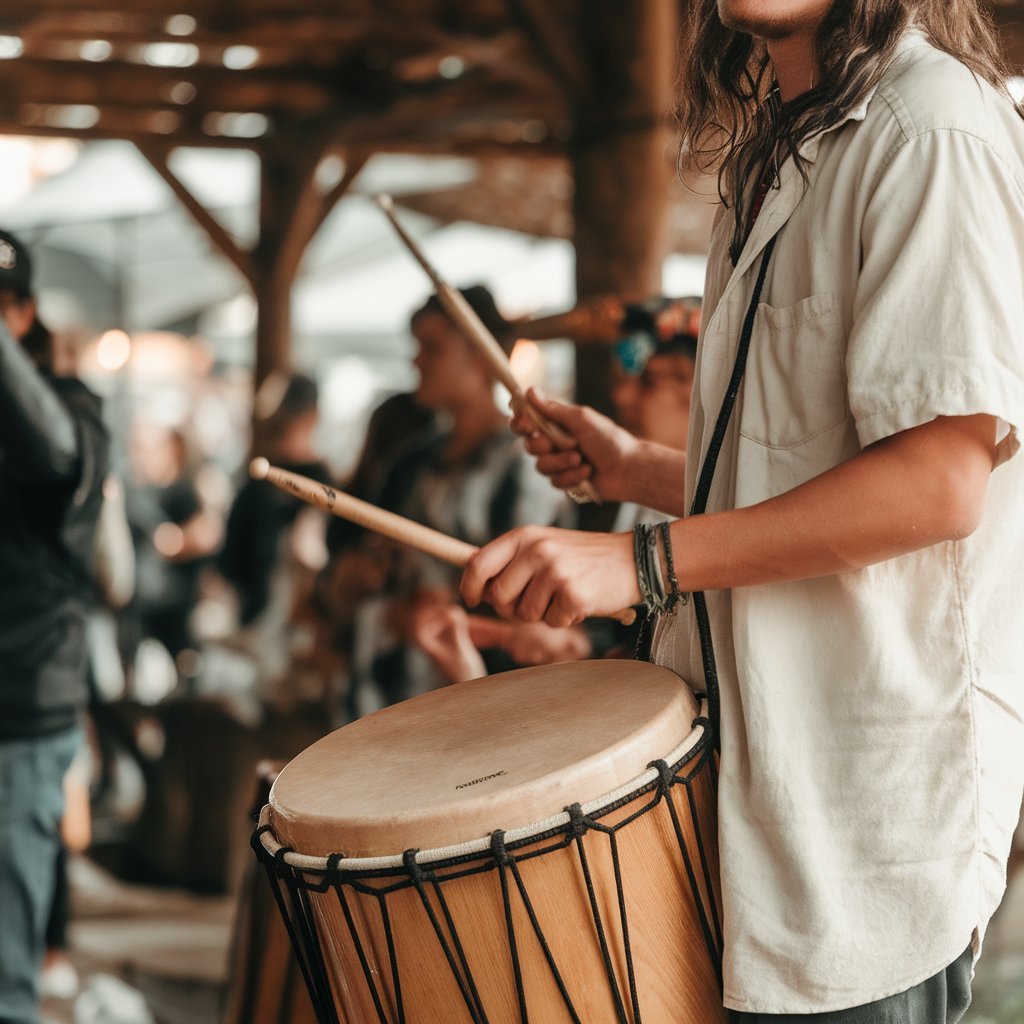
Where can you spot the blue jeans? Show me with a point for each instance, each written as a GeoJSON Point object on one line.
{"type": "Point", "coordinates": [31, 804]}
{"type": "Point", "coordinates": [942, 999]}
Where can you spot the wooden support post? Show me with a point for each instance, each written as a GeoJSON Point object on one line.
{"type": "Point", "coordinates": [291, 210]}
{"type": "Point", "coordinates": [623, 163]}
{"type": "Point", "coordinates": [272, 284]}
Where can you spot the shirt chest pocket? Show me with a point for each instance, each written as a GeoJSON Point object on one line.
{"type": "Point", "coordinates": [794, 387]}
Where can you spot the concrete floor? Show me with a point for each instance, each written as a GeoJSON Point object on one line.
{"type": "Point", "coordinates": [157, 956]}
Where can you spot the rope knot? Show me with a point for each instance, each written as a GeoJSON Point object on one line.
{"type": "Point", "coordinates": [280, 856]}
{"type": "Point", "coordinates": [333, 863]}
{"type": "Point", "coordinates": [577, 821]}
{"type": "Point", "coordinates": [416, 873]}
{"type": "Point", "coordinates": [498, 851]}
{"type": "Point", "coordinates": [665, 776]}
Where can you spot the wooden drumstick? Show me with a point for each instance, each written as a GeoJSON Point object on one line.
{"type": "Point", "coordinates": [338, 503]}
{"type": "Point", "coordinates": [388, 524]}
{"type": "Point", "coordinates": [466, 319]}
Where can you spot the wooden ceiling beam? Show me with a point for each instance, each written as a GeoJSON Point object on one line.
{"type": "Point", "coordinates": [269, 32]}
{"type": "Point", "coordinates": [316, 206]}
{"type": "Point", "coordinates": [204, 11]}
{"type": "Point", "coordinates": [556, 46]}
{"type": "Point", "coordinates": [215, 85]}
{"type": "Point", "coordinates": [99, 132]}
{"type": "Point", "coordinates": [158, 157]}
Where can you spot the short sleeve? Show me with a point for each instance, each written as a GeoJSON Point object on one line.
{"type": "Point", "coordinates": [938, 318]}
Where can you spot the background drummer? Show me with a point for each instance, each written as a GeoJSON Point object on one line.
{"type": "Point", "coordinates": [464, 473]}
{"type": "Point", "coordinates": [864, 537]}
{"type": "Point", "coordinates": [651, 397]}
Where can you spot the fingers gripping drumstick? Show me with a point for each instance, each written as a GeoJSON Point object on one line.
{"type": "Point", "coordinates": [464, 316]}
{"type": "Point", "coordinates": [405, 531]}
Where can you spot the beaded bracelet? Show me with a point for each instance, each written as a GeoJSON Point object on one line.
{"type": "Point", "coordinates": [648, 568]}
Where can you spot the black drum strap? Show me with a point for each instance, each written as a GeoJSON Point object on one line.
{"type": "Point", "coordinates": [703, 491]}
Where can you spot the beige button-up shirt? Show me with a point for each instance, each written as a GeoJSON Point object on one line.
{"type": "Point", "coordinates": [873, 721]}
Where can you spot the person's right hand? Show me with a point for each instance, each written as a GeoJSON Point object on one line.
{"type": "Point", "coordinates": [601, 453]}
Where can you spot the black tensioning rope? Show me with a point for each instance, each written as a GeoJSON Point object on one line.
{"type": "Point", "coordinates": [396, 976]}
{"type": "Point", "coordinates": [457, 941]}
{"type": "Point", "coordinates": [501, 859]}
{"type": "Point", "coordinates": [579, 825]}
{"type": "Point", "coordinates": [418, 875]}
{"type": "Point", "coordinates": [357, 942]}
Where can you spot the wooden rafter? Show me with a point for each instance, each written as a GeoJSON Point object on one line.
{"type": "Point", "coordinates": [214, 229]}
{"type": "Point", "coordinates": [315, 206]}
{"type": "Point", "coordinates": [557, 49]}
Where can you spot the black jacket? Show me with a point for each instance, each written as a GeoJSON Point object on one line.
{"type": "Point", "coordinates": [53, 460]}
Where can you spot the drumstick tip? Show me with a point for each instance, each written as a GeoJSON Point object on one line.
{"type": "Point", "coordinates": [259, 468]}
{"type": "Point", "coordinates": [384, 201]}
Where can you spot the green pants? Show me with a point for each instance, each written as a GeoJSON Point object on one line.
{"type": "Point", "coordinates": [942, 999]}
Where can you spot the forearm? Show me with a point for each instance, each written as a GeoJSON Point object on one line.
{"type": "Point", "coordinates": [36, 430]}
{"type": "Point", "coordinates": [921, 488]}
{"type": "Point", "coordinates": [656, 478]}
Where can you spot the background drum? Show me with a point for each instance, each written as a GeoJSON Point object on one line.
{"type": "Point", "coordinates": [513, 909]}
{"type": "Point", "coordinates": [265, 984]}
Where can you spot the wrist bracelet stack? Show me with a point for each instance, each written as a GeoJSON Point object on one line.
{"type": "Point", "coordinates": [655, 597]}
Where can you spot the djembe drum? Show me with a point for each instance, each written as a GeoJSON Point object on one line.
{"type": "Point", "coordinates": [538, 845]}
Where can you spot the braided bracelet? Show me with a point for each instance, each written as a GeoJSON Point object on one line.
{"type": "Point", "coordinates": [648, 568]}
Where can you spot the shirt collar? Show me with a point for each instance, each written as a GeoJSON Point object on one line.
{"type": "Point", "coordinates": [912, 38]}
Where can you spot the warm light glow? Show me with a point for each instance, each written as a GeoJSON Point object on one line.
{"type": "Point", "coordinates": [170, 55]}
{"type": "Point", "coordinates": [238, 58]}
{"type": "Point", "coordinates": [248, 125]}
{"type": "Point", "coordinates": [180, 25]}
{"type": "Point", "coordinates": [11, 47]}
{"type": "Point", "coordinates": [113, 351]}
{"type": "Point", "coordinates": [183, 92]}
{"type": "Point", "coordinates": [525, 361]}
{"type": "Point", "coordinates": [95, 50]}
{"type": "Point", "coordinates": [73, 116]}
{"type": "Point", "coordinates": [451, 67]}
{"type": "Point", "coordinates": [25, 161]}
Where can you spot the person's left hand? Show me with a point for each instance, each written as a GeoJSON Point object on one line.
{"type": "Point", "coordinates": [561, 577]}
{"type": "Point", "coordinates": [530, 643]}
{"type": "Point", "coordinates": [442, 631]}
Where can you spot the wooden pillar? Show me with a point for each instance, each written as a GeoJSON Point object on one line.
{"type": "Point", "coordinates": [623, 163]}
{"type": "Point", "coordinates": [272, 284]}
{"type": "Point", "coordinates": [291, 210]}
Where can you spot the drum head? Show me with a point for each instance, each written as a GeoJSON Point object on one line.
{"type": "Point", "coordinates": [501, 752]}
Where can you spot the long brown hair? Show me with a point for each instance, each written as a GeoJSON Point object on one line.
{"type": "Point", "coordinates": [731, 118]}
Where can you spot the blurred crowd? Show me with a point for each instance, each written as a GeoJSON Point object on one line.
{"type": "Point", "coordinates": [215, 607]}
{"type": "Point", "coordinates": [269, 600]}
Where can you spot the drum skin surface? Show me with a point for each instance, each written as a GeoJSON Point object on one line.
{"type": "Point", "coordinates": [612, 917]}
{"type": "Point", "coordinates": [499, 752]}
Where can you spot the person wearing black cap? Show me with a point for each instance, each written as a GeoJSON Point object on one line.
{"type": "Point", "coordinates": [53, 458]}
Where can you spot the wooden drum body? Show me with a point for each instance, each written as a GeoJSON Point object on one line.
{"type": "Point", "coordinates": [535, 846]}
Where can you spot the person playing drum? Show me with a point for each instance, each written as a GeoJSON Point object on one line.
{"type": "Point", "coordinates": [862, 538]}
